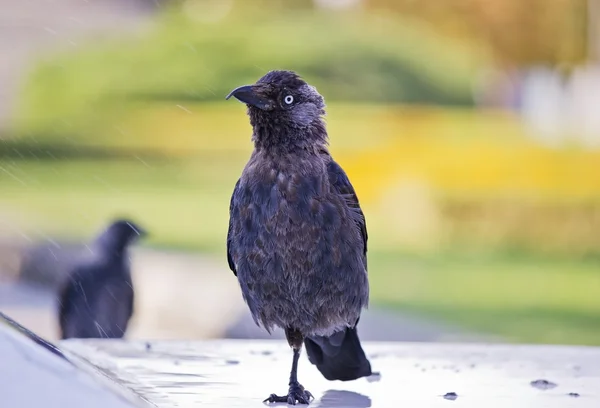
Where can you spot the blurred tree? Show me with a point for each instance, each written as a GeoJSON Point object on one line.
{"type": "Point", "coordinates": [594, 30]}
{"type": "Point", "coordinates": [519, 32]}
{"type": "Point", "coordinates": [197, 52]}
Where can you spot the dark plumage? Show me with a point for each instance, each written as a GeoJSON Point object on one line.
{"type": "Point", "coordinates": [297, 238]}
{"type": "Point", "coordinates": [96, 299]}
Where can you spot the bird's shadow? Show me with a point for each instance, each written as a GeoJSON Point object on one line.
{"type": "Point", "coordinates": [343, 399]}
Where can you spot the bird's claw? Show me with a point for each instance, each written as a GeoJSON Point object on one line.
{"type": "Point", "coordinates": [296, 393]}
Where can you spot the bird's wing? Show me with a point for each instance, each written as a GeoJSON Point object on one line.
{"type": "Point", "coordinates": [341, 185]}
{"type": "Point", "coordinates": [113, 307]}
{"type": "Point", "coordinates": [66, 295]}
{"type": "Point", "coordinates": [74, 299]}
{"type": "Point", "coordinates": [229, 230]}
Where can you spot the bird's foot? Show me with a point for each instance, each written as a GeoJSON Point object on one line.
{"type": "Point", "coordinates": [296, 393]}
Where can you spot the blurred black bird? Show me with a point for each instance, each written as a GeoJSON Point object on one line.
{"type": "Point", "coordinates": [96, 299]}
{"type": "Point", "coordinates": [297, 238]}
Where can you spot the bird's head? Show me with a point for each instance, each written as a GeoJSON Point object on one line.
{"type": "Point", "coordinates": [119, 234]}
{"type": "Point", "coordinates": [282, 103]}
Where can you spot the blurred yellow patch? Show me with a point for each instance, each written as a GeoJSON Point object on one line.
{"type": "Point", "coordinates": [458, 152]}
{"type": "Point", "coordinates": [424, 175]}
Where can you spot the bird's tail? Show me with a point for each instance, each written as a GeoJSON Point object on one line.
{"type": "Point", "coordinates": [339, 356]}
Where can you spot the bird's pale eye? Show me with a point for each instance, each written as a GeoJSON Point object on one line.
{"type": "Point", "coordinates": [289, 99]}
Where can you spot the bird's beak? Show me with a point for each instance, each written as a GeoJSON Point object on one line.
{"type": "Point", "coordinates": [251, 95]}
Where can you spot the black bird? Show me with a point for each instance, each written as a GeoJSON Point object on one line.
{"type": "Point", "coordinates": [297, 238]}
{"type": "Point", "coordinates": [96, 299]}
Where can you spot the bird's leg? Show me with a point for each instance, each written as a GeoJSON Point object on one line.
{"type": "Point", "coordinates": [296, 392]}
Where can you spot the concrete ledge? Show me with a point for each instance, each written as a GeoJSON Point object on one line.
{"type": "Point", "coordinates": [241, 373]}
{"type": "Point", "coordinates": [34, 373]}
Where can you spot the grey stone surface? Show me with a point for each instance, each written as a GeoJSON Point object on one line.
{"type": "Point", "coordinates": [161, 316]}
{"type": "Point", "coordinates": [188, 296]}
{"type": "Point", "coordinates": [175, 295]}
{"type": "Point", "coordinates": [33, 374]}
{"type": "Point", "coordinates": [33, 296]}
{"type": "Point", "coordinates": [241, 373]}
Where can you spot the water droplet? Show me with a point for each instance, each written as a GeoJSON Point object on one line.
{"type": "Point", "coordinates": [450, 396]}
{"type": "Point", "coordinates": [543, 384]}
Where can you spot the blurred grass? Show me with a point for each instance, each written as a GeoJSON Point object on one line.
{"type": "Point", "coordinates": [74, 198]}
{"type": "Point", "coordinates": [432, 182]}
{"type": "Point", "coordinates": [439, 175]}
{"type": "Point", "coordinates": [428, 176]}
{"type": "Point", "coordinates": [521, 298]}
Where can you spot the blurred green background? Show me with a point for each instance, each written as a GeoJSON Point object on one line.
{"type": "Point", "coordinates": [476, 216]}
